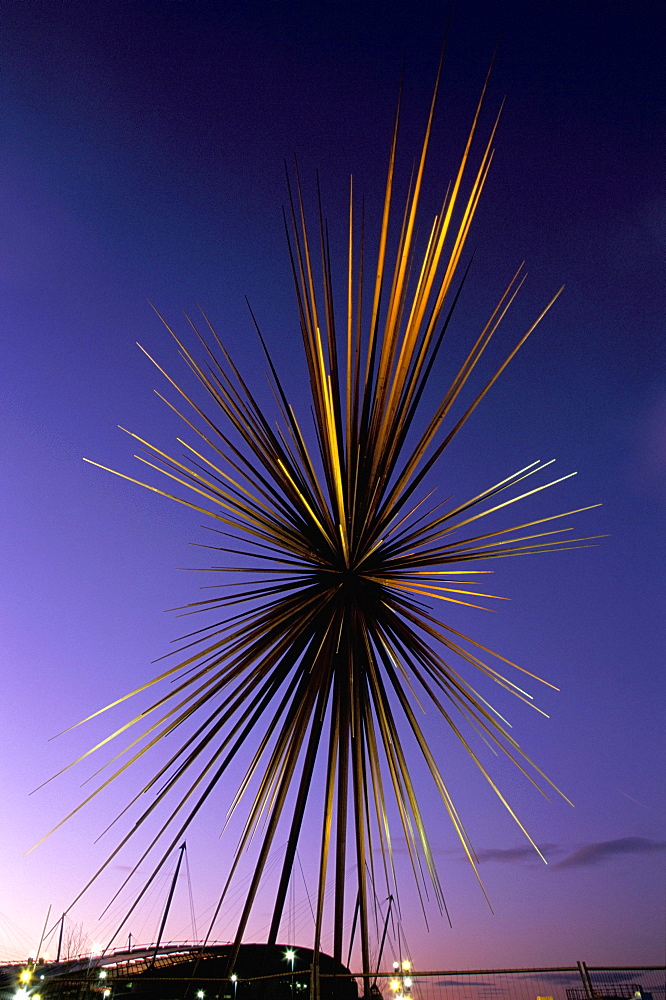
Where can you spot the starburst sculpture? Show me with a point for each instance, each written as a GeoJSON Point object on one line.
{"type": "Point", "coordinates": [336, 630]}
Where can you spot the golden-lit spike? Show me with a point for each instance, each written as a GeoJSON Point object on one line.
{"type": "Point", "coordinates": [415, 322]}
{"type": "Point", "coordinates": [464, 227]}
{"type": "Point", "coordinates": [420, 450]}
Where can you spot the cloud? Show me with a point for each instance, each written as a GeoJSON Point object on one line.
{"type": "Point", "coordinates": [585, 856]}
{"type": "Point", "coordinates": [563, 977]}
{"type": "Point", "coordinates": [482, 986]}
{"type": "Point", "coordinates": [510, 855]}
{"type": "Point", "coordinates": [599, 852]}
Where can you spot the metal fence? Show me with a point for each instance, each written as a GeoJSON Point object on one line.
{"type": "Point", "coordinates": [578, 982]}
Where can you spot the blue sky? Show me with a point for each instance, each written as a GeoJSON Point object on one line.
{"type": "Point", "coordinates": [142, 159]}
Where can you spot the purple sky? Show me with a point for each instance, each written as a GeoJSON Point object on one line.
{"type": "Point", "coordinates": [141, 154]}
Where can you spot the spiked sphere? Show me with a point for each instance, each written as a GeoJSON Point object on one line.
{"type": "Point", "coordinates": [324, 653]}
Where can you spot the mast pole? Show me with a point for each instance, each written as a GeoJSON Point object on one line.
{"type": "Point", "coordinates": [182, 848]}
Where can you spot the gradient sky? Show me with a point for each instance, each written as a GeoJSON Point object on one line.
{"type": "Point", "coordinates": [141, 155]}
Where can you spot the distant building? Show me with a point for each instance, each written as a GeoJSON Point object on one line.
{"type": "Point", "coordinates": [184, 972]}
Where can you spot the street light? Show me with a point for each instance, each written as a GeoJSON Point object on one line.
{"type": "Point", "coordinates": [290, 955]}
{"type": "Point", "coordinates": [401, 984]}
{"type": "Point", "coordinates": [234, 980]}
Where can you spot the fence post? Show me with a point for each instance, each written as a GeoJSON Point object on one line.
{"type": "Point", "coordinates": [314, 979]}
{"type": "Point", "coordinates": [587, 982]}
